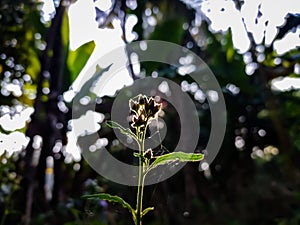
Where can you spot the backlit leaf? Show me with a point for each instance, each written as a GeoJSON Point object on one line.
{"type": "Point", "coordinates": [175, 157]}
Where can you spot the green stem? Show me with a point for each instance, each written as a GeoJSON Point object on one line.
{"type": "Point", "coordinates": [141, 180]}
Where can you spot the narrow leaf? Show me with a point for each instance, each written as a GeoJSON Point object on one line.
{"type": "Point", "coordinates": [147, 210]}
{"type": "Point", "coordinates": [111, 198]}
{"type": "Point", "coordinates": [176, 157]}
{"type": "Point", "coordinates": [65, 30]}
{"type": "Point", "coordinates": [123, 130]}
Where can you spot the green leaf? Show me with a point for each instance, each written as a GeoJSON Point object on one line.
{"type": "Point", "coordinates": [127, 131]}
{"type": "Point", "coordinates": [175, 157]}
{"type": "Point", "coordinates": [65, 30]}
{"type": "Point", "coordinates": [147, 210]}
{"type": "Point", "coordinates": [78, 58]}
{"type": "Point", "coordinates": [112, 198]}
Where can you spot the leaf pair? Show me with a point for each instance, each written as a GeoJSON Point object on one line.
{"type": "Point", "coordinates": [163, 159]}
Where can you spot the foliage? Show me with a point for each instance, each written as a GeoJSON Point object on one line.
{"type": "Point", "coordinates": [21, 40]}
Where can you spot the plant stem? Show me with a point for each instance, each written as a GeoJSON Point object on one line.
{"type": "Point", "coordinates": [141, 180]}
{"type": "Point", "coordinates": [139, 205]}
